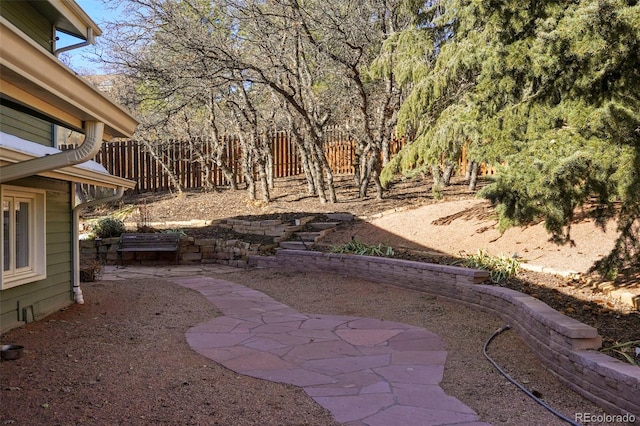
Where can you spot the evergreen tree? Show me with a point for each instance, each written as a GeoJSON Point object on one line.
{"type": "Point", "coordinates": [548, 89]}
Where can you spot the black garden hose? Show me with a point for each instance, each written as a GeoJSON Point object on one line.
{"type": "Point", "coordinates": [518, 385]}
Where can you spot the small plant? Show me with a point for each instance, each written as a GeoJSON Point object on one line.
{"type": "Point", "coordinates": [436, 193]}
{"type": "Point", "coordinates": [143, 216]}
{"type": "Point", "coordinates": [500, 267]}
{"type": "Point", "coordinates": [108, 227]}
{"type": "Point", "coordinates": [90, 271]}
{"type": "Point", "coordinates": [358, 247]}
{"type": "Point", "coordinates": [124, 211]}
{"type": "Point", "coordinates": [176, 231]}
{"type": "Point", "coordinates": [630, 351]}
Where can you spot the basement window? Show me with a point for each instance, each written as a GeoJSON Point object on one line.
{"type": "Point", "coordinates": [23, 236]}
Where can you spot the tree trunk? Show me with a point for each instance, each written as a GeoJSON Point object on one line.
{"type": "Point", "coordinates": [372, 173]}
{"type": "Point", "coordinates": [172, 177]}
{"type": "Point", "coordinates": [326, 168]}
{"type": "Point", "coordinates": [264, 181]}
{"type": "Point", "coordinates": [218, 144]}
{"type": "Point", "coordinates": [319, 182]}
{"type": "Point", "coordinates": [306, 166]}
{"type": "Point", "coordinates": [206, 171]}
{"type": "Point", "coordinates": [218, 149]}
{"type": "Point", "coordinates": [357, 164]}
{"type": "Point", "coordinates": [436, 173]}
{"type": "Point", "coordinates": [364, 184]}
{"type": "Point", "coordinates": [386, 154]}
{"type": "Point", "coordinates": [247, 168]}
{"type": "Point", "coordinates": [473, 175]}
{"type": "Point", "coordinates": [270, 178]}
{"type": "Point", "coordinates": [447, 173]}
{"type": "Point", "coordinates": [196, 150]}
{"type": "Point", "coordinates": [378, 184]}
{"type": "Point", "coordinates": [330, 184]}
{"type": "Point", "coordinates": [207, 174]}
{"type": "Point", "coordinates": [365, 171]}
{"type": "Point", "coordinates": [305, 156]}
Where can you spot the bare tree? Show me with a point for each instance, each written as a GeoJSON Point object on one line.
{"type": "Point", "coordinates": [274, 54]}
{"type": "Point", "coordinates": [313, 56]}
{"type": "Point", "coordinates": [177, 87]}
{"type": "Point", "coordinates": [255, 145]}
{"type": "Point", "coordinates": [350, 34]}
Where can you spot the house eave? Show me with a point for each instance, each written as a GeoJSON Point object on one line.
{"type": "Point", "coordinates": [67, 16]}
{"type": "Point", "coordinates": [74, 15]}
{"type": "Point", "coordinates": [78, 173]}
{"type": "Point", "coordinates": [32, 77]}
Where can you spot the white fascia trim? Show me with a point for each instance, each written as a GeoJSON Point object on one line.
{"type": "Point", "coordinates": [77, 174]}
{"type": "Point", "coordinates": [76, 16]}
{"type": "Point", "coordinates": [15, 150]}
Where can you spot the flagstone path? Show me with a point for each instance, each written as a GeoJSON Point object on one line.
{"type": "Point", "coordinates": [364, 371]}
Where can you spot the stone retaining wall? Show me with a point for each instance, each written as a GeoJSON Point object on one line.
{"type": "Point", "coordinates": [566, 346]}
{"type": "Point", "coordinates": [215, 250]}
{"type": "Point", "coordinates": [191, 252]}
{"type": "Point", "coordinates": [272, 228]}
{"type": "Point", "coordinates": [200, 250]}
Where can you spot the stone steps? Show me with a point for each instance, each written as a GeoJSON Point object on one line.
{"type": "Point", "coordinates": [323, 225]}
{"type": "Point", "coordinates": [310, 236]}
{"type": "Point", "coordinates": [305, 240]}
{"type": "Point", "coordinates": [295, 245]}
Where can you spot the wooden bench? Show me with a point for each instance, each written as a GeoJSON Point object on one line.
{"type": "Point", "coordinates": [160, 242]}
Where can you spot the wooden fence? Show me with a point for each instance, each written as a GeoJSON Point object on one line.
{"type": "Point", "coordinates": [484, 169]}
{"type": "Point", "coordinates": [184, 160]}
{"type": "Point", "coordinates": [341, 151]}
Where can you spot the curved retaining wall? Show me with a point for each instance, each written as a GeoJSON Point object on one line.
{"type": "Point", "coordinates": [566, 346]}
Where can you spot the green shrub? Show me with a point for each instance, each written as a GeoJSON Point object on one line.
{"type": "Point", "coordinates": [630, 351]}
{"type": "Point", "coordinates": [176, 231]}
{"type": "Point", "coordinates": [108, 227]}
{"type": "Point", "coordinates": [500, 267]}
{"type": "Point", "coordinates": [357, 247]}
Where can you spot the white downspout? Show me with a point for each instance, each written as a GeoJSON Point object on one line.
{"type": "Point", "coordinates": [76, 239]}
{"type": "Point", "coordinates": [94, 131]}
{"type": "Point", "coordinates": [90, 40]}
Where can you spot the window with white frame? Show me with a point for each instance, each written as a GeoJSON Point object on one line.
{"type": "Point", "coordinates": [23, 236]}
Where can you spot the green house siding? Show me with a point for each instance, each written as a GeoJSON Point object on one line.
{"type": "Point", "coordinates": [25, 126]}
{"type": "Point", "coordinates": [28, 20]}
{"type": "Point", "coordinates": [33, 301]}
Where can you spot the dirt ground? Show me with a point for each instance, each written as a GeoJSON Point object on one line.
{"type": "Point", "coordinates": [122, 357]}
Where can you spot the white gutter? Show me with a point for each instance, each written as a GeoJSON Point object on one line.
{"type": "Point", "coordinates": [90, 40]}
{"type": "Point", "coordinates": [77, 291]}
{"type": "Point", "coordinates": [94, 131]}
